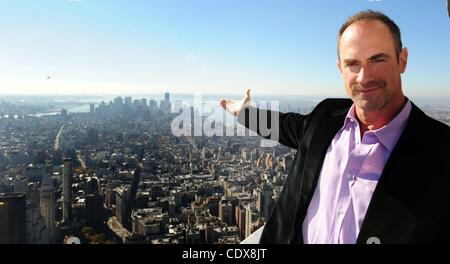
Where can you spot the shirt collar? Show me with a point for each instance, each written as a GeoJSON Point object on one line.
{"type": "Point", "coordinates": [388, 134]}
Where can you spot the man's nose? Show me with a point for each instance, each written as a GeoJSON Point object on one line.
{"type": "Point", "coordinates": [364, 74]}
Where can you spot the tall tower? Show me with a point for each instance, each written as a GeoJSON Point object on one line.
{"type": "Point", "coordinates": [91, 109]}
{"type": "Point", "coordinates": [241, 219]}
{"type": "Point", "coordinates": [264, 201]}
{"type": "Point", "coordinates": [248, 220]}
{"type": "Point", "coordinates": [131, 204]}
{"type": "Point", "coordinates": [67, 195]}
{"type": "Point", "coordinates": [47, 204]}
{"type": "Point", "coordinates": [203, 157]}
{"type": "Point", "coordinates": [12, 218]}
{"type": "Point", "coordinates": [225, 212]}
{"type": "Point", "coordinates": [167, 97]}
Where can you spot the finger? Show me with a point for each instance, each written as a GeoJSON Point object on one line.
{"type": "Point", "coordinates": [223, 103]}
{"type": "Point", "coordinates": [247, 93]}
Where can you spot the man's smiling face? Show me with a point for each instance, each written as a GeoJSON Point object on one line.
{"type": "Point", "coordinates": [369, 65]}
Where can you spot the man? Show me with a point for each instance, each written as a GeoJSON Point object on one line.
{"type": "Point", "coordinates": [371, 169]}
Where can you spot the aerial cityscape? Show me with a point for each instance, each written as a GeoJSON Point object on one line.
{"type": "Point", "coordinates": [117, 174]}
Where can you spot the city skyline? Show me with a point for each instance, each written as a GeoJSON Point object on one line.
{"type": "Point", "coordinates": [118, 175]}
{"type": "Point", "coordinates": [100, 48]}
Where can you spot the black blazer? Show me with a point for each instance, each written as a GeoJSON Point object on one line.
{"type": "Point", "coordinates": [411, 203]}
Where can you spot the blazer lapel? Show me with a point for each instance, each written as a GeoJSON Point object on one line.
{"type": "Point", "coordinates": [388, 218]}
{"type": "Point", "coordinates": [315, 145]}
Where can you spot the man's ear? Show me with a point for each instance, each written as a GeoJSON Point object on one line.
{"type": "Point", "coordinates": [403, 59]}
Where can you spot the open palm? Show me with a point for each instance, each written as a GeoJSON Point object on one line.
{"type": "Point", "coordinates": [235, 106]}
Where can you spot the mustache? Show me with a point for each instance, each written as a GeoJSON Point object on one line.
{"type": "Point", "coordinates": [369, 85]}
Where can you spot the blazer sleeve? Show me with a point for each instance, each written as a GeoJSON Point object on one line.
{"type": "Point", "coordinates": [286, 128]}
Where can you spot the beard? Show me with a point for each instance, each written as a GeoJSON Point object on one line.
{"type": "Point", "coordinates": [372, 100]}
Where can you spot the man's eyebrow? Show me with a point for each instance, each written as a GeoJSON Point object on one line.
{"type": "Point", "coordinates": [350, 61]}
{"type": "Point", "coordinates": [379, 56]}
{"type": "Point", "coordinates": [374, 57]}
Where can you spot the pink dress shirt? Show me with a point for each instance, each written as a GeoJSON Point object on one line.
{"type": "Point", "coordinates": [349, 175]}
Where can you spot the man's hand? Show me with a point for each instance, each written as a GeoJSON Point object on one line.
{"type": "Point", "coordinates": [233, 106]}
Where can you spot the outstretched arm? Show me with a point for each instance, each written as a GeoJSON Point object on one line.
{"type": "Point", "coordinates": [286, 128]}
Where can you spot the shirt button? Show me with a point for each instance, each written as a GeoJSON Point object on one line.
{"type": "Point", "coordinates": [350, 176]}
{"type": "Point", "coordinates": [341, 211]}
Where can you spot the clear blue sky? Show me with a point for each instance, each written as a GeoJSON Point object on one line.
{"type": "Point", "coordinates": [208, 46]}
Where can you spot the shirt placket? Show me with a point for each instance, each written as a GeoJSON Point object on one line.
{"type": "Point", "coordinates": [343, 197]}
{"type": "Point", "coordinates": [354, 164]}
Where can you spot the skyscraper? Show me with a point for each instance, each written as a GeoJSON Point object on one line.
{"type": "Point", "coordinates": [264, 201]}
{"type": "Point", "coordinates": [167, 97]}
{"type": "Point", "coordinates": [47, 205]}
{"type": "Point", "coordinates": [165, 105]}
{"type": "Point", "coordinates": [144, 103]}
{"type": "Point", "coordinates": [128, 100]}
{"type": "Point", "coordinates": [241, 219]}
{"type": "Point", "coordinates": [122, 194]}
{"type": "Point", "coordinates": [67, 195]}
{"type": "Point", "coordinates": [94, 210]}
{"type": "Point", "coordinates": [225, 212]}
{"type": "Point", "coordinates": [12, 218]}
{"type": "Point", "coordinates": [91, 109]}
{"type": "Point", "coordinates": [248, 220]}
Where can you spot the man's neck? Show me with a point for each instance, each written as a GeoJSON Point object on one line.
{"type": "Point", "coordinates": [372, 120]}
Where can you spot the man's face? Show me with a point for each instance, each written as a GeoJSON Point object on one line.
{"type": "Point", "coordinates": [368, 64]}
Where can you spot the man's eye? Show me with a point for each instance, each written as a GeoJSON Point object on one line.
{"type": "Point", "coordinates": [378, 60]}
{"type": "Point", "coordinates": [351, 64]}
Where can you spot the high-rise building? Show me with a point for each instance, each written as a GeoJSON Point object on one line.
{"type": "Point", "coordinates": [67, 192]}
{"type": "Point", "coordinates": [47, 205]}
{"type": "Point", "coordinates": [92, 186]}
{"type": "Point", "coordinates": [20, 184]}
{"type": "Point", "coordinates": [91, 109]}
{"type": "Point", "coordinates": [153, 105]}
{"type": "Point", "coordinates": [94, 210]}
{"type": "Point", "coordinates": [118, 101]}
{"type": "Point", "coordinates": [167, 97]}
{"type": "Point", "coordinates": [128, 100]}
{"type": "Point", "coordinates": [122, 194]}
{"type": "Point", "coordinates": [165, 106]}
{"type": "Point", "coordinates": [250, 217]}
{"type": "Point", "coordinates": [240, 219]}
{"type": "Point", "coordinates": [131, 204]}
{"type": "Point", "coordinates": [36, 229]}
{"type": "Point", "coordinates": [264, 201]}
{"type": "Point", "coordinates": [32, 195]}
{"type": "Point", "coordinates": [213, 205]}
{"type": "Point", "coordinates": [12, 218]}
{"type": "Point", "coordinates": [225, 212]}
{"type": "Point", "coordinates": [202, 158]}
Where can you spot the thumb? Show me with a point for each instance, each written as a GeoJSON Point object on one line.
{"type": "Point", "coordinates": [223, 103]}
{"type": "Point", "coordinates": [247, 93]}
